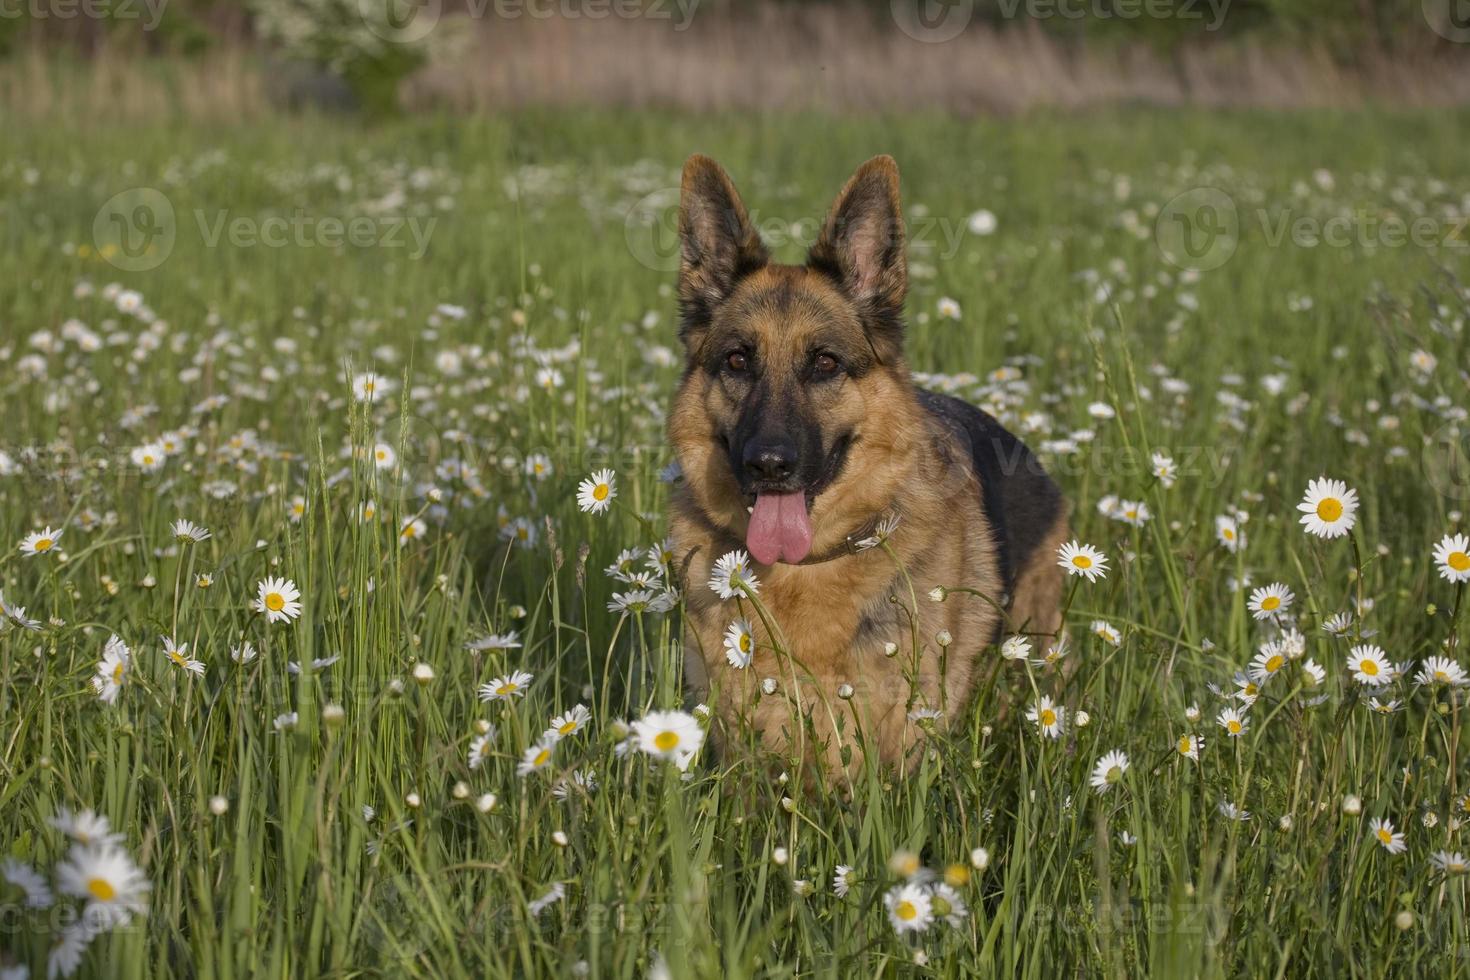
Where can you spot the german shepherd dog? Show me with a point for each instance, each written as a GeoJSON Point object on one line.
{"type": "Point", "coordinates": [802, 439]}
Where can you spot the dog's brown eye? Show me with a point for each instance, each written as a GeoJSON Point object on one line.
{"type": "Point", "coordinates": [736, 360]}
{"type": "Point", "coordinates": [825, 364]}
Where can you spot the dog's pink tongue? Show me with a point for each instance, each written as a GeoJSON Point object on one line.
{"type": "Point", "coordinates": [779, 528]}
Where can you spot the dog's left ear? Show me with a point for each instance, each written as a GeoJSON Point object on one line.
{"type": "Point", "coordinates": [862, 244]}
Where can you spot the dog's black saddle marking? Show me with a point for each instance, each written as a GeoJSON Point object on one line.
{"type": "Point", "coordinates": [1020, 500]}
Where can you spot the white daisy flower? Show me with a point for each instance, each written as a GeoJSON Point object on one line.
{"type": "Point", "coordinates": [480, 748]}
{"type": "Point", "coordinates": [37, 890]}
{"type": "Point", "coordinates": [739, 644]}
{"type": "Point", "coordinates": [1441, 670]}
{"type": "Point", "coordinates": [536, 757]}
{"type": "Point", "coordinates": [1270, 600]}
{"type": "Point", "coordinates": [506, 688]}
{"type": "Point", "coordinates": [1082, 559]}
{"type": "Point", "coordinates": [1189, 745]}
{"type": "Point", "coordinates": [279, 599]}
{"type": "Point", "coordinates": [1050, 718]}
{"type": "Point", "coordinates": [732, 576]}
{"type": "Point", "coordinates": [1234, 721]}
{"type": "Point", "coordinates": [672, 735]}
{"type": "Point", "coordinates": [178, 653]}
{"type": "Point", "coordinates": [1228, 533]}
{"type": "Point", "coordinates": [596, 493]}
{"type": "Point", "coordinates": [568, 723]}
{"type": "Point", "coordinates": [1329, 508]}
{"type": "Point", "coordinates": [946, 903]}
{"type": "Point", "coordinates": [909, 907]}
{"type": "Point", "coordinates": [1369, 665]}
{"type": "Point", "coordinates": [1452, 558]}
{"type": "Point", "coordinates": [85, 827]}
{"type": "Point", "coordinates": [106, 877]}
{"type": "Point", "coordinates": [1382, 829]}
{"type": "Point", "coordinates": [370, 386]}
{"type": "Point", "coordinates": [40, 542]}
{"type": "Point", "coordinates": [1267, 662]}
{"type": "Point", "coordinates": [843, 878]}
{"type": "Point", "coordinates": [1016, 647]}
{"type": "Point", "coordinates": [1450, 862]}
{"type": "Point", "coordinates": [148, 457]}
{"type": "Point", "coordinates": [1109, 771]}
{"type": "Point", "coordinates": [188, 531]}
{"type": "Point", "coordinates": [112, 670]}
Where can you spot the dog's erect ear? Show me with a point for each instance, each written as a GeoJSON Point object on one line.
{"type": "Point", "coordinates": [862, 245]}
{"type": "Point", "coordinates": [718, 244]}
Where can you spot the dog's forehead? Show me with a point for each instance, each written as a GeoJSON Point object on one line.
{"type": "Point", "coordinates": [788, 304]}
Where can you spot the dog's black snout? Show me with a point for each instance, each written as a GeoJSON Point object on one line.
{"type": "Point", "coordinates": [770, 460]}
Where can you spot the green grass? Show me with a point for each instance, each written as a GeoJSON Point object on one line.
{"type": "Point", "coordinates": [284, 884]}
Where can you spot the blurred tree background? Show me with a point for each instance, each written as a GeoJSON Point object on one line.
{"type": "Point", "coordinates": [327, 43]}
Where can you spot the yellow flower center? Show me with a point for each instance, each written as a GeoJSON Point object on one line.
{"type": "Point", "coordinates": [1384, 835]}
{"type": "Point", "coordinates": [1047, 717]}
{"type": "Point", "coordinates": [567, 727]}
{"type": "Point", "coordinates": [44, 544]}
{"type": "Point", "coordinates": [665, 741]}
{"type": "Point", "coordinates": [1274, 664]}
{"type": "Point", "coordinates": [600, 492]}
{"type": "Point", "coordinates": [906, 911]}
{"type": "Point", "coordinates": [1233, 726]}
{"type": "Point", "coordinates": [1250, 690]}
{"type": "Point", "coordinates": [541, 757]}
{"type": "Point", "coordinates": [1368, 667]}
{"type": "Point", "coordinates": [1271, 603]}
{"type": "Point", "coordinates": [1329, 509]}
{"type": "Point", "coordinates": [1441, 675]}
{"type": "Point", "coordinates": [101, 889]}
{"type": "Point", "coordinates": [1082, 561]}
{"type": "Point", "coordinates": [275, 602]}
{"type": "Point", "coordinates": [1459, 561]}
{"type": "Point", "coordinates": [1227, 534]}
{"type": "Point", "coordinates": [117, 673]}
{"type": "Point", "coordinates": [177, 657]}
{"type": "Point", "coordinates": [505, 689]}
{"type": "Point", "coordinates": [744, 643]}
{"type": "Point", "coordinates": [1185, 745]}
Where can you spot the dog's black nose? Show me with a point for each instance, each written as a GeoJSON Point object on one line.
{"type": "Point", "coordinates": [770, 460]}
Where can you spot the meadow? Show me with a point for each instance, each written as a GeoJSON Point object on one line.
{"type": "Point", "coordinates": [372, 366]}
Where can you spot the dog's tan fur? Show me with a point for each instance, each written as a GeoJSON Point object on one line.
{"type": "Point", "coordinates": [838, 621]}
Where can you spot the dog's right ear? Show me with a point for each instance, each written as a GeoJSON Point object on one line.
{"type": "Point", "coordinates": [718, 244]}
